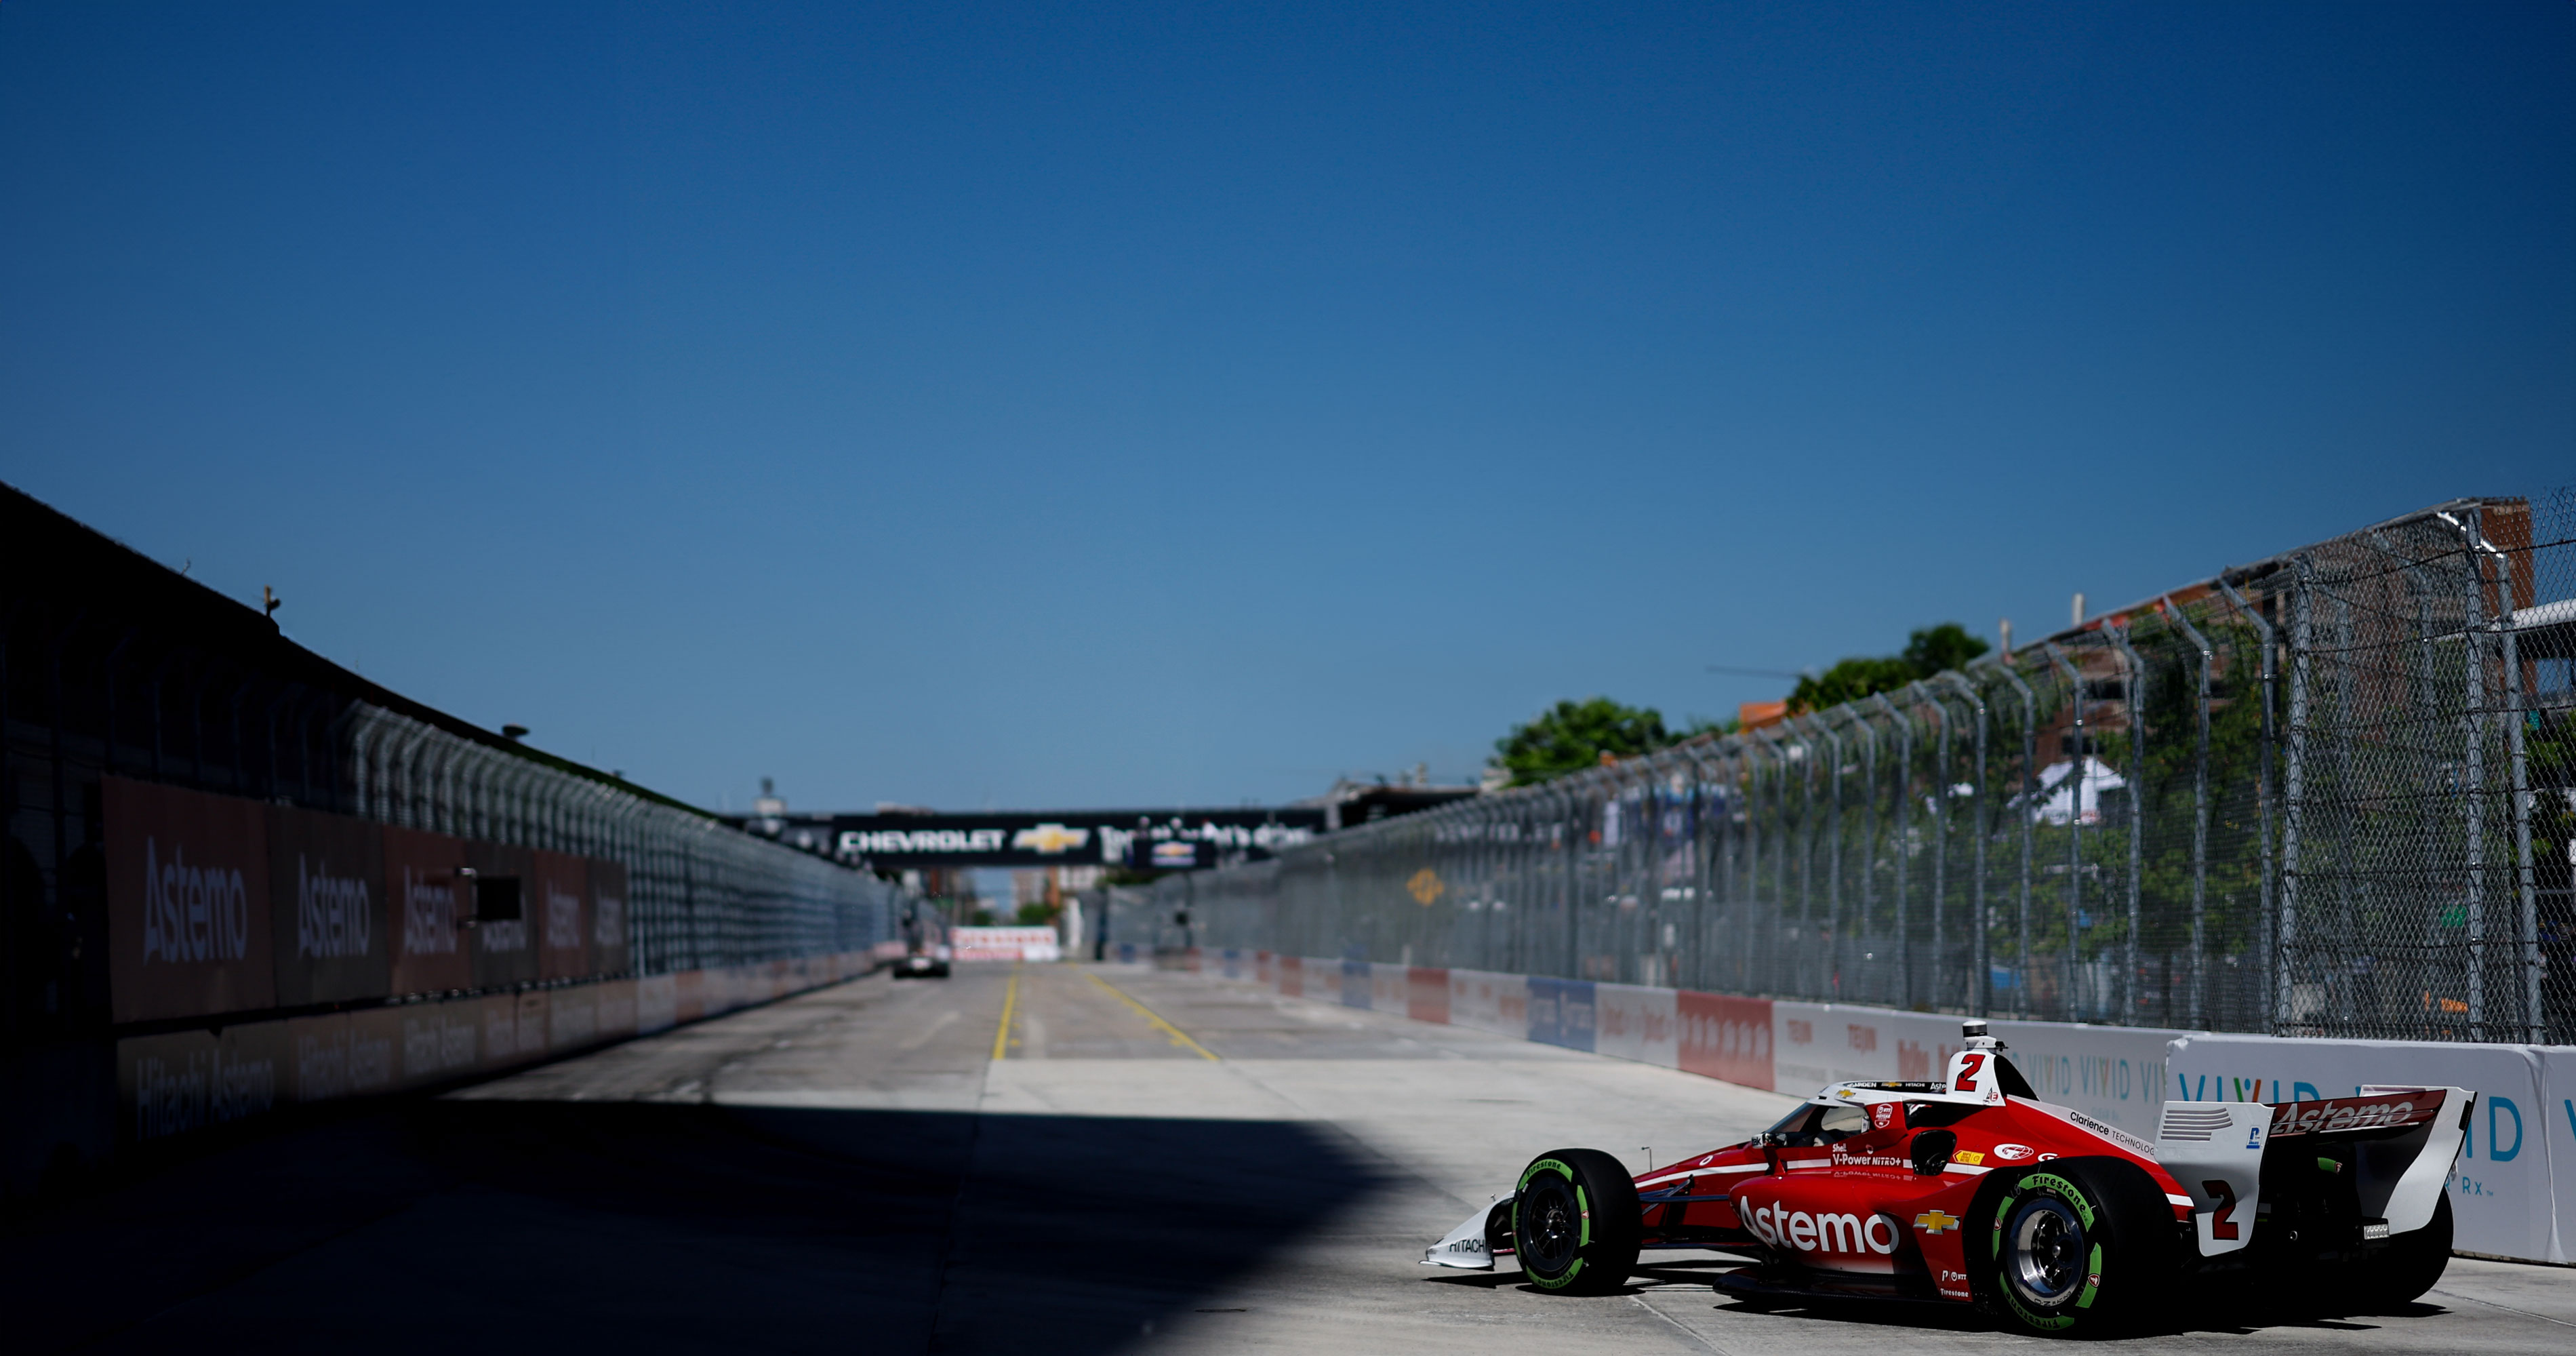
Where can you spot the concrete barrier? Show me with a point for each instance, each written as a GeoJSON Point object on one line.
{"type": "Point", "coordinates": [182, 1082]}
{"type": "Point", "coordinates": [2513, 1193]}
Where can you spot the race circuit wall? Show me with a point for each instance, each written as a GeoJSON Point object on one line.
{"type": "Point", "coordinates": [185, 1081]}
{"type": "Point", "coordinates": [223, 908]}
{"type": "Point", "coordinates": [2513, 1194]}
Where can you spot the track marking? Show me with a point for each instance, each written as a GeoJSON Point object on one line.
{"type": "Point", "coordinates": [1178, 1036]}
{"type": "Point", "coordinates": [1010, 1003]}
{"type": "Point", "coordinates": [2526, 1313]}
{"type": "Point", "coordinates": [1685, 1329]}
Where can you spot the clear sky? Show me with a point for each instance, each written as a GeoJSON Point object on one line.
{"type": "Point", "coordinates": [1062, 405]}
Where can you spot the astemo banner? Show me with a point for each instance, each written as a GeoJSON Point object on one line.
{"type": "Point", "coordinates": [219, 905]}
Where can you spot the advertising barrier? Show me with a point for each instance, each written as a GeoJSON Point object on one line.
{"type": "Point", "coordinates": [2505, 1191]}
{"type": "Point", "coordinates": [187, 902]}
{"type": "Point", "coordinates": [326, 877]}
{"type": "Point", "coordinates": [1029, 944]}
{"type": "Point", "coordinates": [425, 883]}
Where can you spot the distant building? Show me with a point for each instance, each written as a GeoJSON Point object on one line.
{"type": "Point", "coordinates": [1350, 804]}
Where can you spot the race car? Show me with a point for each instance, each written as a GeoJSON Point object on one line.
{"type": "Point", "coordinates": [930, 963]}
{"type": "Point", "coordinates": [1973, 1191]}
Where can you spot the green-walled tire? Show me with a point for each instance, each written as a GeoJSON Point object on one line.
{"type": "Point", "coordinates": [1576, 1223]}
{"type": "Point", "coordinates": [2077, 1247]}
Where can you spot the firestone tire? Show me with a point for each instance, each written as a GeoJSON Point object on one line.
{"type": "Point", "coordinates": [2078, 1247]}
{"type": "Point", "coordinates": [1576, 1222]}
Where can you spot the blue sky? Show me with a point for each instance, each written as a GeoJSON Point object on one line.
{"type": "Point", "coordinates": [1028, 406]}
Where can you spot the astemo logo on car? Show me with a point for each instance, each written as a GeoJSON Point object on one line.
{"type": "Point", "coordinates": [1820, 1232]}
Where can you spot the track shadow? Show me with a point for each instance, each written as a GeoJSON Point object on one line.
{"type": "Point", "coordinates": [648, 1227]}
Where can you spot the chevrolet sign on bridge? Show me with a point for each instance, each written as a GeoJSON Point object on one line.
{"type": "Point", "coordinates": [1038, 838]}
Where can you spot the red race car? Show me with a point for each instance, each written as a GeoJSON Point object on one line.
{"type": "Point", "coordinates": [1973, 1191]}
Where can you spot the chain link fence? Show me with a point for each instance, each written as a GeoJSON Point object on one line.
{"type": "Point", "coordinates": [701, 892]}
{"type": "Point", "coordinates": [115, 667]}
{"type": "Point", "coordinates": [2330, 793]}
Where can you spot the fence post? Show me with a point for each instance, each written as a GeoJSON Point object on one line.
{"type": "Point", "coordinates": [2029, 818]}
{"type": "Point", "coordinates": [2263, 802]}
{"type": "Point", "coordinates": [2075, 778]}
{"type": "Point", "coordinates": [2199, 811]}
{"type": "Point", "coordinates": [1940, 833]}
{"type": "Point", "coordinates": [1904, 770]}
{"type": "Point", "coordinates": [2136, 686]}
{"type": "Point", "coordinates": [2507, 623]}
{"type": "Point", "coordinates": [1981, 986]}
{"type": "Point", "coordinates": [1833, 934]}
{"type": "Point", "coordinates": [2294, 782]}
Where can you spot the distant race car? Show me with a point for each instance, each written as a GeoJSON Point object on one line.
{"type": "Point", "coordinates": [929, 964]}
{"type": "Point", "coordinates": [1973, 1191]}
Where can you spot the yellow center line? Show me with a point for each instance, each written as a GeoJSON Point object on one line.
{"type": "Point", "coordinates": [1178, 1037]}
{"type": "Point", "coordinates": [1010, 1004]}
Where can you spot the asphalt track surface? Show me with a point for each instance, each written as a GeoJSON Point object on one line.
{"type": "Point", "coordinates": [1155, 1161]}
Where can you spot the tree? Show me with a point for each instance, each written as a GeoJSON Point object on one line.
{"type": "Point", "coordinates": [1927, 652]}
{"type": "Point", "coordinates": [1573, 735]}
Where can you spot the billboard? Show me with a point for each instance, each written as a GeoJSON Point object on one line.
{"type": "Point", "coordinates": [557, 901]}
{"type": "Point", "coordinates": [327, 903]}
{"type": "Point", "coordinates": [504, 934]}
{"type": "Point", "coordinates": [429, 906]}
{"type": "Point", "coordinates": [187, 902]}
{"type": "Point", "coordinates": [1035, 837]}
{"type": "Point", "coordinates": [608, 949]}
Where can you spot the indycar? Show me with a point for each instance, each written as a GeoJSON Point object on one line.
{"type": "Point", "coordinates": [1973, 1191]}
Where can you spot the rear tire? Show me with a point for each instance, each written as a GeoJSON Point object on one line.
{"type": "Point", "coordinates": [2408, 1266]}
{"type": "Point", "coordinates": [2079, 1247]}
{"type": "Point", "coordinates": [1576, 1222]}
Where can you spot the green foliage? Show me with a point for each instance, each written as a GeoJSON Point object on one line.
{"type": "Point", "coordinates": [1573, 735]}
{"type": "Point", "coordinates": [1849, 681]}
{"type": "Point", "coordinates": [1927, 651]}
{"type": "Point", "coordinates": [1934, 649]}
{"type": "Point", "coordinates": [1035, 915]}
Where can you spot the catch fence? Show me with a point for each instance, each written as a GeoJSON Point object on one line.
{"type": "Point", "coordinates": [2330, 793]}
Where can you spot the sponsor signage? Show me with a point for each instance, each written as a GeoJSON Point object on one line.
{"type": "Point", "coordinates": [1173, 855]}
{"type": "Point", "coordinates": [188, 902]}
{"type": "Point", "coordinates": [608, 954]}
{"type": "Point", "coordinates": [1038, 837]}
{"type": "Point", "coordinates": [1561, 1012]}
{"type": "Point", "coordinates": [327, 907]}
{"type": "Point", "coordinates": [1725, 1037]}
{"type": "Point", "coordinates": [503, 939]}
{"type": "Point", "coordinates": [431, 901]}
{"type": "Point", "coordinates": [1004, 943]}
{"type": "Point", "coordinates": [558, 906]}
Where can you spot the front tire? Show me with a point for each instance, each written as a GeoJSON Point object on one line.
{"type": "Point", "coordinates": [1576, 1222]}
{"type": "Point", "coordinates": [2080, 1247]}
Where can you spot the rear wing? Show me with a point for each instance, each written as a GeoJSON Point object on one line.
{"type": "Point", "coordinates": [2402, 1142]}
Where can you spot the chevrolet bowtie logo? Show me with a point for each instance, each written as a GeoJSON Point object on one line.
{"type": "Point", "coordinates": [1050, 838]}
{"type": "Point", "coordinates": [1936, 1221]}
